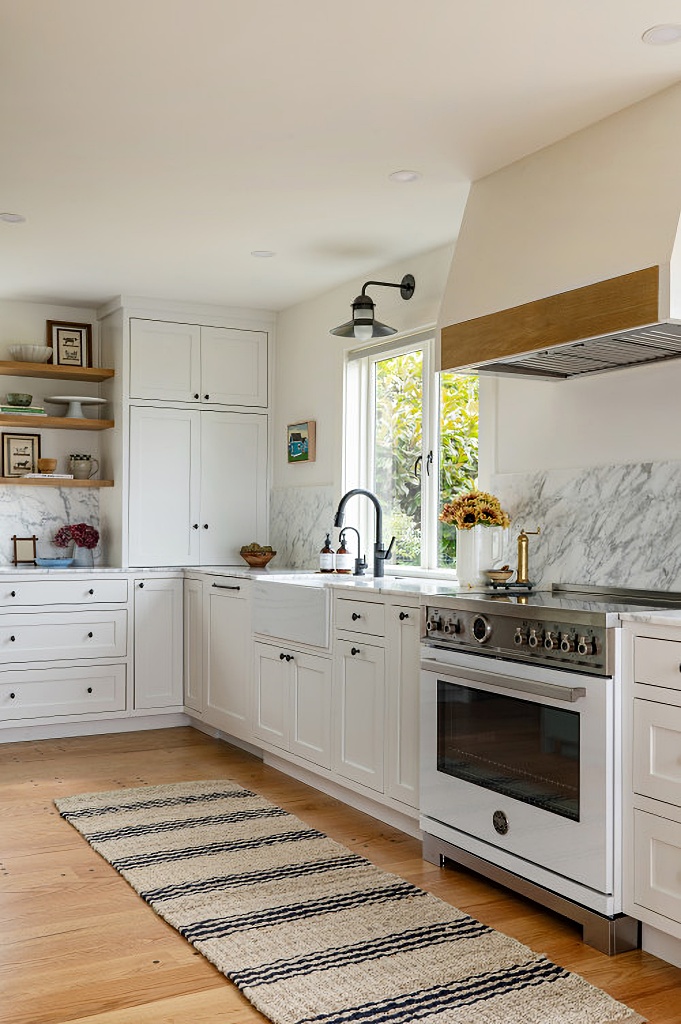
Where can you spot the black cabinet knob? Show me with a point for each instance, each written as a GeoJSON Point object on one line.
{"type": "Point", "coordinates": [205, 526]}
{"type": "Point", "coordinates": [195, 526]}
{"type": "Point", "coordinates": [91, 592]}
{"type": "Point", "coordinates": [289, 657]}
{"type": "Point", "coordinates": [282, 656]}
{"type": "Point", "coordinates": [196, 396]}
{"type": "Point", "coordinates": [89, 689]}
{"type": "Point", "coordinates": [141, 586]}
{"type": "Point", "coordinates": [355, 616]}
{"type": "Point", "coordinates": [90, 635]}
{"type": "Point", "coordinates": [12, 638]}
{"type": "Point", "coordinates": [12, 696]}
{"type": "Point", "coordinates": [355, 650]}
{"type": "Point", "coordinates": [13, 593]}
{"type": "Point", "coordinates": [206, 397]}
{"type": "Point", "coordinates": [403, 616]}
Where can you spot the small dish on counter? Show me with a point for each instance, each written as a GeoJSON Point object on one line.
{"type": "Point", "coordinates": [256, 555]}
{"type": "Point", "coordinates": [54, 563]}
{"type": "Point", "coordinates": [499, 575]}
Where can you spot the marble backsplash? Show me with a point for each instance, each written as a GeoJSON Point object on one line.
{"type": "Point", "coordinates": [299, 520]}
{"type": "Point", "coordinates": [614, 526]}
{"type": "Point", "coordinates": [40, 511]}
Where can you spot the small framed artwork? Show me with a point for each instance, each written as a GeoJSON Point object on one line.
{"type": "Point", "coordinates": [301, 441]}
{"type": "Point", "coordinates": [71, 343]}
{"type": "Point", "coordinates": [24, 550]}
{"type": "Point", "coordinates": [20, 454]}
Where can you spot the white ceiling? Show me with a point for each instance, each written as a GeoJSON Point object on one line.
{"type": "Point", "coordinates": [153, 144]}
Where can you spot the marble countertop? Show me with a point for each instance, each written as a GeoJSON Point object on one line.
{"type": "Point", "coordinates": [654, 617]}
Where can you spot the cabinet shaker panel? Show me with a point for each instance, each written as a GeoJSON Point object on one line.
{"type": "Point", "coordinates": [165, 360]}
{"type": "Point", "coordinates": [234, 366]}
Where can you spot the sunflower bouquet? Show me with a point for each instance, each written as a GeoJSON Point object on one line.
{"type": "Point", "coordinates": [476, 508]}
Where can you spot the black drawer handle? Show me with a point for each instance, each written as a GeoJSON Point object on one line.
{"type": "Point", "coordinates": [90, 636]}
{"type": "Point", "coordinates": [141, 586]}
{"type": "Point", "coordinates": [206, 397]}
{"type": "Point", "coordinates": [222, 586]}
{"type": "Point", "coordinates": [90, 592]}
{"type": "Point", "coordinates": [196, 396]}
{"type": "Point", "coordinates": [205, 526]}
{"type": "Point", "coordinates": [195, 526]}
{"type": "Point", "coordinates": [12, 696]}
{"type": "Point", "coordinates": [12, 638]}
{"type": "Point", "coordinates": [13, 593]}
{"type": "Point", "coordinates": [355, 616]}
{"type": "Point", "coordinates": [403, 616]}
{"type": "Point", "coordinates": [89, 689]}
{"type": "Point", "coordinates": [355, 650]}
{"type": "Point", "coordinates": [282, 656]}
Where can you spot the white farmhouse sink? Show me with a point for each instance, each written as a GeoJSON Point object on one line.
{"type": "Point", "coordinates": [295, 610]}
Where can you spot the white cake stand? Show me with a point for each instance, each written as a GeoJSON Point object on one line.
{"type": "Point", "coordinates": [74, 404]}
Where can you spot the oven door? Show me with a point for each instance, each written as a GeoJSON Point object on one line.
{"type": "Point", "coordinates": [519, 759]}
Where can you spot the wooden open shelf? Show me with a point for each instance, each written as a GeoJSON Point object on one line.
{"type": "Point", "coordinates": [93, 374]}
{"type": "Point", "coordinates": [52, 482]}
{"type": "Point", "coordinates": [8, 419]}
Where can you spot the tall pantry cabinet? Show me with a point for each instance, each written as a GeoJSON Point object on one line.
{"type": "Point", "coordinates": [193, 389]}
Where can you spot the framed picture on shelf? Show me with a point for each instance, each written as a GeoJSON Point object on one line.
{"type": "Point", "coordinates": [20, 454]}
{"type": "Point", "coordinates": [71, 343]}
{"type": "Point", "coordinates": [24, 550]}
{"type": "Point", "coordinates": [301, 441]}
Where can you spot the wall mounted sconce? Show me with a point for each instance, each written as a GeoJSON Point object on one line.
{"type": "Point", "coordinates": [363, 325]}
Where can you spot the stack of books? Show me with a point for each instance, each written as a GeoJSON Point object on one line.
{"type": "Point", "coordinates": [21, 410]}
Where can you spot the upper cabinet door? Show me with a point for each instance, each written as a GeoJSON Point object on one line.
{"type": "Point", "coordinates": [234, 367]}
{"type": "Point", "coordinates": [165, 361]}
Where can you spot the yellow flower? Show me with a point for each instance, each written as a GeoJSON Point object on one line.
{"type": "Point", "coordinates": [476, 507]}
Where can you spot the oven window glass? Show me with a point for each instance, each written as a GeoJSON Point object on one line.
{"type": "Point", "coordinates": [518, 748]}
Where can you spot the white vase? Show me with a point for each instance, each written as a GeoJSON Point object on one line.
{"type": "Point", "coordinates": [83, 558]}
{"type": "Point", "coordinates": [473, 556]}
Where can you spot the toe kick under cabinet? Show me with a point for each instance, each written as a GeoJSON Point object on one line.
{"type": "Point", "coordinates": [63, 647]}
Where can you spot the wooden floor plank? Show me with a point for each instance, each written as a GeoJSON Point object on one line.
{"type": "Point", "coordinates": [78, 946]}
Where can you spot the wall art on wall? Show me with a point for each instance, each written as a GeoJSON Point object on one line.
{"type": "Point", "coordinates": [72, 343]}
{"type": "Point", "coordinates": [20, 454]}
{"type": "Point", "coordinates": [301, 441]}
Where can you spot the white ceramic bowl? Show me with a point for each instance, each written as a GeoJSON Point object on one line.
{"type": "Point", "coordinates": [30, 353]}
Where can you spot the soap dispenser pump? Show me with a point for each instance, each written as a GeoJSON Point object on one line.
{"type": "Point", "coordinates": [326, 556]}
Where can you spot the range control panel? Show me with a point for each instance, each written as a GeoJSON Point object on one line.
{"type": "Point", "coordinates": [542, 640]}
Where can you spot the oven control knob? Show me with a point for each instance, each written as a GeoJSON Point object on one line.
{"type": "Point", "coordinates": [434, 623]}
{"type": "Point", "coordinates": [534, 639]}
{"type": "Point", "coordinates": [586, 645]}
{"type": "Point", "coordinates": [452, 626]}
{"type": "Point", "coordinates": [481, 629]}
{"type": "Point", "coordinates": [550, 640]}
{"type": "Point", "coordinates": [519, 638]}
{"type": "Point", "coordinates": [567, 643]}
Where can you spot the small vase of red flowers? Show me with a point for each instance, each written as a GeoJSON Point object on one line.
{"type": "Point", "coordinates": [84, 538]}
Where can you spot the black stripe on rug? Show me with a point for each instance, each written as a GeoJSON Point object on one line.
{"type": "Point", "coordinates": [141, 805]}
{"type": "Point", "coordinates": [180, 823]}
{"type": "Point", "coordinates": [141, 860]}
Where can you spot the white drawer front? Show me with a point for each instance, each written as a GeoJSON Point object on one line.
{"type": "Point", "coordinates": [657, 751]}
{"type": "Point", "coordinates": [60, 635]}
{"type": "Point", "coordinates": [657, 662]}
{"type": "Point", "coordinates": [657, 884]}
{"type": "Point", "coordinates": [46, 692]}
{"type": "Point", "coordinates": [71, 591]}
{"type": "Point", "coordinates": [361, 617]}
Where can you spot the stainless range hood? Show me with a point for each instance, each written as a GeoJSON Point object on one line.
{"type": "Point", "coordinates": [599, 210]}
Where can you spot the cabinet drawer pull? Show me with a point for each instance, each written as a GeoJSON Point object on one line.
{"type": "Point", "coordinates": [205, 526]}
{"type": "Point", "coordinates": [12, 696]}
{"type": "Point", "coordinates": [196, 396]}
{"type": "Point", "coordinates": [223, 586]}
{"type": "Point", "coordinates": [90, 592]}
{"type": "Point", "coordinates": [89, 689]}
{"type": "Point", "coordinates": [282, 656]}
{"type": "Point", "coordinates": [403, 616]}
{"type": "Point", "coordinates": [141, 586]}
{"type": "Point", "coordinates": [355, 616]}
{"type": "Point", "coordinates": [195, 526]}
{"type": "Point", "coordinates": [355, 650]}
{"type": "Point", "coordinates": [12, 638]}
{"type": "Point", "coordinates": [90, 636]}
{"type": "Point", "coordinates": [13, 593]}
{"type": "Point", "coordinates": [206, 397]}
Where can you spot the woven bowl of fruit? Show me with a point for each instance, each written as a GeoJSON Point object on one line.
{"type": "Point", "coordinates": [256, 555]}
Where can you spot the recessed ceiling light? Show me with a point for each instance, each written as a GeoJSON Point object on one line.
{"type": "Point", "coordinates": [661, 35]}
{"type": "Point", "coordinates": [263, 254]}
{"type": "Point", "coordinates": [12, 218]}
{"type": "Point", "coordinates": [404, 176]}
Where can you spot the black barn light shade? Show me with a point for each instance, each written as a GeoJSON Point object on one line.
{"type": "Point", "coordinates": [363, 325]}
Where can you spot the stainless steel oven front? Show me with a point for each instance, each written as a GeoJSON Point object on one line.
{"type": "Point", "coordinates": [520, 767]}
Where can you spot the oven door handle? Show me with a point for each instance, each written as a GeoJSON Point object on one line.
{"type": "Point", "coordinates": [569, 694]}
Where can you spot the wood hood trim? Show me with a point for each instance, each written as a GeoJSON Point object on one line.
{"type": "Point", "coordinates": [618, 304]}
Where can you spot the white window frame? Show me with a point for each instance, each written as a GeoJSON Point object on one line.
{"type": "Point", "coordinates": [359, 418]}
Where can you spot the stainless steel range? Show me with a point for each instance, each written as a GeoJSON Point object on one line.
{"type": "Point", "coordinates": [520, 745]}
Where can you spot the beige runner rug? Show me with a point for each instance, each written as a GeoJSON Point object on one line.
{"type": "Point", "coordinates": [312, 933]}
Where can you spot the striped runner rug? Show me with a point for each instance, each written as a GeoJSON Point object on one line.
{"type": "Point", "coordinates": [310, 932]}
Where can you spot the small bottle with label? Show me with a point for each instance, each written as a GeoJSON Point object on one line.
{"type": "Point", "coordinates": [326, 556]}
{"type": "Point", "coordinates": [344, 559]}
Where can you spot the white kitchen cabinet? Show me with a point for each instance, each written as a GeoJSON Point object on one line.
{"type": "Point", "coordinates": [652, 797]}
{"type": "Point", "coordinates": [359, 711]}
{"type": "Point", "coordinates": [198, 485]}
{"type": "Point", "coordinates": [158, 645]}
{"type": "Point", "coordinates": [292, 701]}
{"type": "Point", "coordinates": [193, 644]}
{"type": "Point", "coordinates": [63, 634]}
{"type": "Point", "coordinates": [227, 655]}
{"type": "Point", "coordinates": [402, 704]}
{"type": "Point", "coordinates": [175, 362]}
